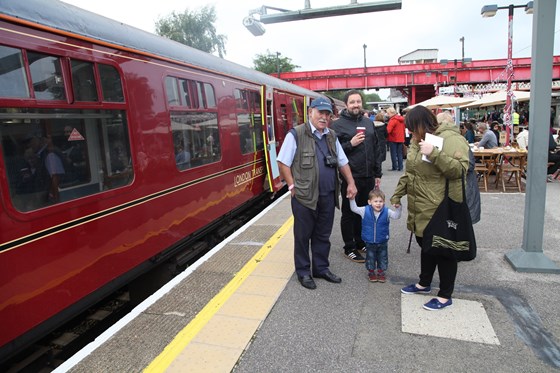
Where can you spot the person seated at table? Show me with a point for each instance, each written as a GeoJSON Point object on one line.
{"type": "Point", "coordinates": [496, 129]}
{"type": "Point", "coordinates": [553, 171]}
{"type": "Point", "coordinates": [469, 132]}
{"type": "Point", "coordinates": [488, 140]}
{"type": "Point", "coordinates": [523, 138]}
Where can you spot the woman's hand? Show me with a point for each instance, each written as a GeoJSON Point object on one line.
{"type": "Point", "coordinates": [426, 148]}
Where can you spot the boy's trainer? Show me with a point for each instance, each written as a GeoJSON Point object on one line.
{"type": "Point", "coordinates": [372, 276]}
{"type": "Point", "coordinates": [354, 256]}
{"type": "Point", "coordinates": [381, 276]}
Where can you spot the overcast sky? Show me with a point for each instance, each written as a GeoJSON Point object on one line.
{"type": "Point", "coordinates": [337, 42]}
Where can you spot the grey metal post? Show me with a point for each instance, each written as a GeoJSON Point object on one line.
{"type": "Point", "coordinates": [531, 258]}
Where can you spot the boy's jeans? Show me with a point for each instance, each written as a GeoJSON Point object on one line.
{"type": "Point", "coordinates": [377, 256]}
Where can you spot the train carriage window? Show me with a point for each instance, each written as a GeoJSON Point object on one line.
{"type": "Point", "coordinates": [200, 95]}
{"type": "Point", "coordinates": [111, 84]}
{"type": "Point", "coordinates": [196, 138]}
{"type": "Point", "coordinates": [46, 76]}
{"type": "Point", "coordinates": [185, 93]}
{"type": "Point", "coordinates": [56, 155]}
{"type": "Point", "coordinates": [83, 81]}
{"type": "Point", "coordinates": [249, 120]}
{"type": "Point", "coordinates": [13, 78]}
{"type": "Point", "coordinates": [210, 97]}
{"type": "Point", "coordinates": [172, 91]}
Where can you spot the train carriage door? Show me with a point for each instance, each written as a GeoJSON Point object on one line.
{"type": "Point", "coordinates": [273, 172]}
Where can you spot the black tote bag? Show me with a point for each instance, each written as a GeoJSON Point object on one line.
{"type": "Point", "coordinates": [450, 231]}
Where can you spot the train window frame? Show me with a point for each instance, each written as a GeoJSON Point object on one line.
{"type": "Point", "coordinates": [195, 131]}
{"type": "Point", "coordinates": [97, 128]}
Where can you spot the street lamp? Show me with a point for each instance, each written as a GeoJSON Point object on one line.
{"type": "Point", "coordinates": [365, 68]}
{"type": "Point", "coordinates": [278, 64]}
{"type": "Point", "coordinates": [490, 11]}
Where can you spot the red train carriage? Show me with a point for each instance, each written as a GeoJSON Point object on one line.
{"type": "Point", "coordinates": [116, 145]}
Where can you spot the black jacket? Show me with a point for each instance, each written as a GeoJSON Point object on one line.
{"type": "Point", "coordinates": [364, 159]}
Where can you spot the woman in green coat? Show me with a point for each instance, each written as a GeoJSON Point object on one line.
{"type": "Point", "coordinates": [427, 168]}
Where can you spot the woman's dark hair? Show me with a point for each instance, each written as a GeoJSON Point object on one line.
{"type": "Point", "coordinates": [420, 120]}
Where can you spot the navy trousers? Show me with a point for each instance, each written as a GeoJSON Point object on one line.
{"type": "Point", "coordinates": [312, 229]}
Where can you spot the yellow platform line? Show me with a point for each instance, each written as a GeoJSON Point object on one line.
{"type": "Point", "coordinates": [185, 336]}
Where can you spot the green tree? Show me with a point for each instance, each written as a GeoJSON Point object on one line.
{"type": "Point", "coordinates": [195, 29]}
{"type": "Point", "coordinates": [271, 63]}
{"type": "Point", "coordinates": [372, 97]}
{"type": "Point", "coordinates": [368, 97]}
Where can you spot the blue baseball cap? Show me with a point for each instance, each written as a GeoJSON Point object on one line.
{"type": "Point", "coordinates": [321, 103]}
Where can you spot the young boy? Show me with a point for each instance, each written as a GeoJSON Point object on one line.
{"type": "Point", "coordinates": [375, 232]}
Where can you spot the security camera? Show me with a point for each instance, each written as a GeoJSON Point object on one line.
{"type": "Point", "coordinates": [254, 26]}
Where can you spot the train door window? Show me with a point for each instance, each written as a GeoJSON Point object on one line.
{"type": "Point", "coordinates": [57, 155]}
{"type": "Point", "coordinates": [249, 120]}
{"type": "Point", "coordinates": [295, 113]}
{"type": "Point", "coordinates": [46, 76]}
{"type": "Point", "coordinates": [83, 81]}
{"type": "Point", "coordinates": [172, 91]}
{"type": "Point", "coordinates": [13, 79]}
{"type": "Point", "coordinates": [283, 119]}
{"type": "Point", "coordinates": [271, 135]}
{"type": "Point", "coordinates": [111, 84]}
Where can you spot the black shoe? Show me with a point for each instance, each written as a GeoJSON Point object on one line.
{"type": "Point", "coordinates": [354, 256]}
{"type": "Point", "coordinates": [307, 282]}
{"type": "Point", "coordinates": [330, 277]}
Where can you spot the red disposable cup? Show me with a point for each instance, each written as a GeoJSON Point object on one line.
{"type": "Point", "coordinates": [361, 130]}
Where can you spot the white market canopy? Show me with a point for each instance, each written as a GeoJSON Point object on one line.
{"type": "Point", "coordinates": [498, 98]}
{"type": "Point", "coordinates": [443, 102]}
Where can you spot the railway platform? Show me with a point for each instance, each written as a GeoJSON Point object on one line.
{"type": "Point", "coordinates": [242, 309]}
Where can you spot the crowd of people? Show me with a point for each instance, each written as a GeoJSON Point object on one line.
{"type": "Point", "coordinates": [343, 154]}
{"type": "Point", "coordinates": [489, 135]}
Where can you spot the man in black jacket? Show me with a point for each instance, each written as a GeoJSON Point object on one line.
{"type": "Point", "coordinates": [364, 156]}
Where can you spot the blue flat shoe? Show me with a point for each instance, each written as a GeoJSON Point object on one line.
{"type": "Point", "coordinates": [435, 304]}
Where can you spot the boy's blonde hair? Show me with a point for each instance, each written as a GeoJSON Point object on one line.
{"type": "Point", "coordinates": [376, 193]}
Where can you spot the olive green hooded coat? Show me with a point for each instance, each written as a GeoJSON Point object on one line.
{"type": "Point", "coordinates": [424, 183]}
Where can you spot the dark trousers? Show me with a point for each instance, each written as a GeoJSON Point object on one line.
{"type": "Point", "coordinates": [350, 223]}
{"type": "Point", "coordinates": [312, 228]}
{"type": "Point", "coordinates": [447, 269]}
{"type": "Point", "coordinates": [396, 155]}
{"type": "Point", "coordinates": [553, 158]}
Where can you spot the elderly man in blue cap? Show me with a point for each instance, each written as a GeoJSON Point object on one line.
{"type": "Point", "coordinates": [310, 159]}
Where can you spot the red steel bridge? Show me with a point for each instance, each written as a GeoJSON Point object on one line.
{"type": "Point", "coordinates": [420, 81]}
